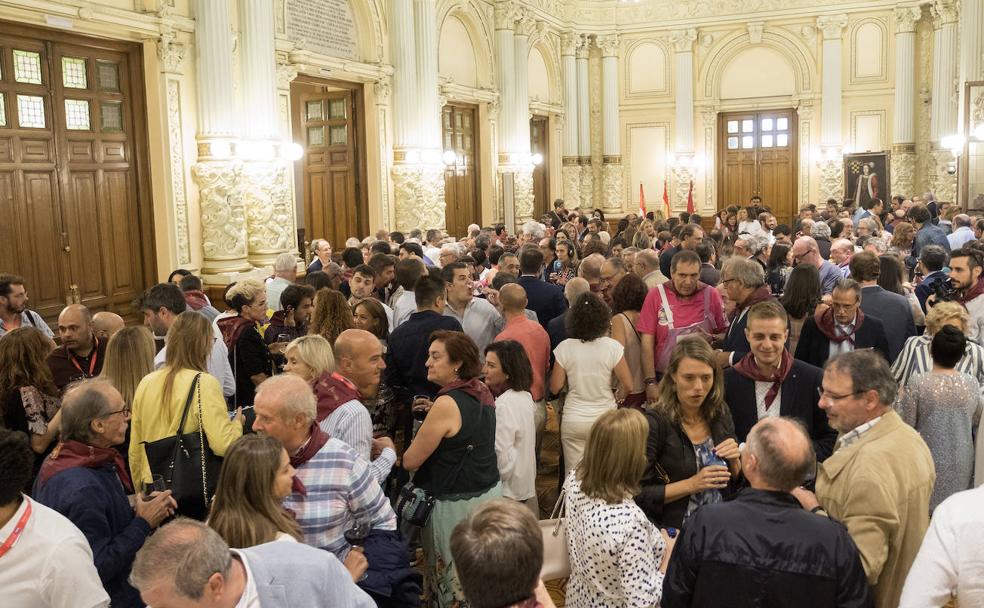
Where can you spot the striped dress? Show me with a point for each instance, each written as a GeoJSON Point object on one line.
{"type": "Point", "coordinates": [915, 359]}
{"type": "Point", "coordinates": [341, 492]}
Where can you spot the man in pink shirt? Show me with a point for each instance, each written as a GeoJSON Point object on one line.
{"type": "Point", "coordinates": [535, 341]}
{"type": "Point", "coordinates": [680, 307]}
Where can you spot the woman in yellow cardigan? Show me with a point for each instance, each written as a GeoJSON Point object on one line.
{"type": "Point", "coordinates": [161, 396]}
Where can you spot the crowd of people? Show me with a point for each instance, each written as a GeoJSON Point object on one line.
{"type": "Point", "coordinates": [750, 413]}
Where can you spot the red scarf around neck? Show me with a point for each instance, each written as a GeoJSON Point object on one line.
{"type": "Point", "coordinates": [828, 325]}
{"type": "Point", "coordinates": [973, 292]}
{"type": "Point", "coordinates": [232, 328]}
{"type": "Point", "coordinates": [71, 454]}
{"type": "Point", "coordinates": [761, 294]}
{"type": "Point", "coordinates": [333, 390]}
{"type": "Point", "coordinates": [749, 369]}
{"type": "Point", "coordinates": [314, 444]}
{"type": "Point", "coordinates": [474, 387]}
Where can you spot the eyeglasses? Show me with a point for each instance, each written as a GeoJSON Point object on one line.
{"type": "Point", "coordinates": [835, 398]}
{"type": "Point", "coordinates": [125, 411]}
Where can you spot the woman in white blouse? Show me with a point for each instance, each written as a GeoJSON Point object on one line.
{"type": "Point", "coordinates": [618, 557]}
{"type": "Point", "coordinates": [509, 374]}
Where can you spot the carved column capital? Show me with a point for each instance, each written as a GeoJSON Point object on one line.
{"type": "Point", "coordinates": [170, 53]}
{"type": "Point", "coordinates": [584, 47]}
{"type": "Point", "coordinates": [944, 11]}
{"type": "Point", "coordinates": [906, 18]}
{"type": "Point", "coordinates": [832, 26]}
{"type": "Point", "coordinates": [683, 40]}
{"type": "Point", "coordinates": [505, 15]}
{"type": "Point", "coordinates": [569, 42]}
{"type": "Point", "coordinates": [286, 73]}
{"type": "Point", "coordinates": [609, 45]}
{"type": "Point", "coordinates": [384, 88]}
{"type": "Point", "coordinates": [525, 23]}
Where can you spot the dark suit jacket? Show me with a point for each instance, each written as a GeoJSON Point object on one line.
{"type": "Point", "coordinates": [925, 289]}
{"type": "Point", "coordinates": [814, 347]}
{"type": "Point", "coordinates": [557, 331]}
{"type": "Point", "coordinates": [894, 311]}
{"type": "Point", "coordinates": [798, 399]}
{"type": "Point", "coordinates": [710, 275]}
{"type": "Point", "coordinates": [545, 299]}
{"type": "Point", "coordinates": [735, 340]}
{"type": "Point", "coordinates": [823, 244]}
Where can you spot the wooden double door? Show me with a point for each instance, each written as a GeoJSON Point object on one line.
{"type": "Point", "coordinates": [540, 144]}
{"type": "Point", "coordinates": [74, 200]}
{"type": "Point", "coordinates": [757, 157]}
{"type": "Point", "coordinates": [328, 124]}
{"type": "Point", "coordinates": [459, 134]}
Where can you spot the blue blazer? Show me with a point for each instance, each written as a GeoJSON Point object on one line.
{"type": "Point", "coordinates": [545, 299]}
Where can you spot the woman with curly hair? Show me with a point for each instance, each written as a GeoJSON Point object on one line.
{"type": "Point", "coordinates": [627, 300]}
{"type": "Point", "coordinates": [585, 362]}
{"type": "Point", "coordinates": [256, 477]}
{"type": "Point", "coordinates": [332, 315]}
{"type": "Point", "coordinates": [903, 236]}
{"type": "Point", "coordinates": [28, 397]}
{"type": "Point", "coordinates": [691, 450]}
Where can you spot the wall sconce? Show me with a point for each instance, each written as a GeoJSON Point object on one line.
{"type": "Point", "coordinates": [291, 151]}
{"type": "Point", "coordinates": [449, 157]}
{"type": "Point", "coordinates": [954, 143]}
{"type": "Point", "coordinates": [979, 132]}
{"type": "Point", "coordinates": [412, 157]}
{"type": "Point", "coordinates": [537, 159]}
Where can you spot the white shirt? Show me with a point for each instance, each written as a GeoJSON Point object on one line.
{"type": "Point", "coordinates": [404, 306]}
{"type": "Point", "coordinates": [515, 444]}
{"type": "Point", "coordinates": [351, 424]}
{"type": "Point", "coordinates": [50, 566]}
{"type": "Point", "coordinates": [761, 389]}
{"type": "Point", "coordinates": [218, 363]}
{"type": "Point", "coordinates": [250, 597]}
{"type": "Point", "coordinates": [434, 255]}
{"type": "Point", "coordinates": [960, 237]}
{"type": "Point", "coordinates": [274, 288]}
{"type": "Point", "coordinates": [950, 562]}
{"type": "Point", "coordinates": [844, 346]}
{"type": "Point", "coordinates": [856, 433]}
{"type": "Point", "coordinates": [589, 367]}
{"type": "Point", "coordinates": [478, 319]}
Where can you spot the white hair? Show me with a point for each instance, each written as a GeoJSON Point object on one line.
{"type": "Point", "coordinates": [534, 230]}
{"type": "Point", "coordinates": [285, 262]}
{"type": "Point", "coordinates": [353, 242]}
{"type": "Point", "coordinates": [820, 229]}
{"type": "Point", "coordinates": [293, 395]}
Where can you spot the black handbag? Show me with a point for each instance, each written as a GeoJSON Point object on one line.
{"type": "Point", "coordinates": [415, 504]}
{"type": "Point", "coordinates": [189, 467]}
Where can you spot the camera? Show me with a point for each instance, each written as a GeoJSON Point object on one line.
{"type": "Point", "coordinates": [943, 290]}
{"type": "Point", "coordinates": [951, 168]}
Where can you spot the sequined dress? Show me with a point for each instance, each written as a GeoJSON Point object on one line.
{"type": "Point", "coordinates": [942, 407]}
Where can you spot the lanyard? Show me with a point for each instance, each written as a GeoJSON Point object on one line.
{"type": "Point", "coordinates": [92, 359]}
{"type": "Point", "coordinates": [21, 523]}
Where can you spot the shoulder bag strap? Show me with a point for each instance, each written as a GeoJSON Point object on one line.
{"type": "Point", "coordinates": [191, 394]}
{"type": "Point", "coordinates": [630, 324]}
{"type": "Point", "coordinates": [201, 440]}
{"type": "Point", "coordinates": [30, 317]}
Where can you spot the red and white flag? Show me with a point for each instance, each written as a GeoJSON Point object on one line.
{"type": "Point", "coordinates": [642, 202]}
{"type": "Point", "coordinates": [666, 202]}
{"type": "Point", "coordinates": [690, 198]}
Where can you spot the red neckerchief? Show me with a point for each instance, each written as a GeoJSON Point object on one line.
{"type": "Point", "coordinates": [974, 291]}
{"type": "Point", "coordinates": [828, 325]}
{"type": "Point", "coordinates": [18, 529]}
{"type": "Point", "coordinates": [232, 328]}
{"type": "Point", "coordinates": [474, 387]}
{"type": "Point", "coordinates": [314, 444]}
{"type": "Point", "coordinates": [93, 358]}
{"type": "Point", "coordinates": [669, 287]}
{"type": "Point", "coordinates": [747, 368]}
{"type": "Point", "coordinates": [332, 391]}
{"type": "Point", "coordinates": [761, 294]}
{"type": "Point", "coordinates": [72, 454]}
{"type": "Point", "coordinates": [196, 299]}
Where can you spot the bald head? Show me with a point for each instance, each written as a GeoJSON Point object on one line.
{"type": "Point", "coordinates": [590, 268]}
{"type": "Point", "coordinates": [779, 454]}
{"type": "Point", "coordinates": [512, 297]}
{"type": "Point", "coordinates": [352, 341]}
{"type": "Point", "coordinates": [359, 357]}
{"type": "Point", "coordinates": [105, 324]}
{"type": "Point", "coordinates": [574, 288]}
{"type": "Point", "coordinates": [806, 251]}
{"type": "Point", "coordinates": [75, 329]}
{"type": "Point", "coordinates": [287, 397]}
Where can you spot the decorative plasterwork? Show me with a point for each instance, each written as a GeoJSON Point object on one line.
{"type": "Point", "coordinates": [782, 41]}
{"type": "Point", "coordinates": [944, 11]}
{"type": "Point", "coordinates": [832, 26]}
{"type": "Point", "coordinates": [170, 53]}
{"type": "Point", "coordinates": [944, 184]}
{"type": "Point", "coordinates": [650, 12]}
{"type": "Point", "coordinates": [523, 194]}
{"type": "Point", "coordinates": [805, 114]}
{"type": "Point", "coordinates": [572, 185]}
{"type": "Point", "coordinates": [480, 31]}
{"type": "Point", "coordinates": [569, 41]}
{"type": "Point", "coordinates": [682, 178]}
{"type": "Point", "coordinates": [609, 45]}
{"type": "Point", "coordinates": [905, 20]}
{"type": "Point", "coordinates": [418, 193]}
{"type": "Point", "coordinates": [286, 73]}
{"type": "Point", "coordinates": [709, 117]}
{"type": "Point", "coordinates": [903, 172]}
{"type": "Point", "coordinates": [223, 215]}
{"type": "Point", "coordinates": [683, 40]}
{"type": "Point", "coordinates": [613, 176]}
{"type": "Point", "coordinates": [831, 179]}
{"type": "Point", "coordinates": [179, 198]}
{"type": "Point", "coordinates": [755, 30]}
{"type": "Point", "coordinates": [268, 204]}
{"type": "Point", "coordinates": [587, 186]}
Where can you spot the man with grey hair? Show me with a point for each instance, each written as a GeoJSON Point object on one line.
{"type": "Point", "coordinates": [432, 245]}
{"type": "Point", "coordinates": [744, 282]}
{"type": "Point", "coordinates": [531, 232]}
{"type": "Point", "coordinates": [188, 564]}
{"type": "Point", "coordinates": [590, 271]}
{"type": "Point", "coordinates": [876, 245]}
{"type": "Point", "coordinates": [867, 226]}
{"type": "Point", "coordinates": [841, 252]}
{"type": "Point", "coordinates": [841, 328]}
{"type": "Point", "coordinates": [761, 548]}
{"type": "Point", "coordinates": [646, 265]}
{"type": "Point", "coordinates": [334, 489]}
{"type": "Point", "coordinates": [962, 233]}
{"type": "Point", "coordinates": [759, 248]}
{"type": "Point", "coordinates": [882, 455]}
{"type": "Point", "coordinates": [820, 231]}
{"type": "Point", "coordinates": [86, 480]}
{"type": "Point", "coordinates": [284, 273]}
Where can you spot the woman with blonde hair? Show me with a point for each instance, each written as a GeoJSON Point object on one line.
{"type": "Point", "coordinates": [249, 355]}
{"type": "Point", "coordinates": [129, 358]}
{"type": "Point", "coordinates": [916, 358]}
{"type": "Point", "coordinates": [247, 509]}
{"type": "Point", "coordinates": [618, 557]}
{"type": "Point", "coordinates": [309, 357]}
{"type": "Point", "coordinates": [691, 449]}
{"type": "Point", "coordinates": [332, 315]}
{"type": "Point", "coordinates": [161, 396]}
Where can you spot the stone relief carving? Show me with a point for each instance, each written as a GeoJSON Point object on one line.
{"type": "Point", "coordinates": [832, 26]}
{"type": "Point", "coordinates": [903, 172]}
{"type": "Point", "coordinates": [709, 118]}
{"type": "Point", "coordinates": [170, 53]}
{"type": "Point", "coordinates": [384, 88]}
{"type": "Point", "coordinates": [418, 194]}
{"type": "Point", "coordinates": [267, 200]}
{"type": "Point", "coordinates": [944, 11]}
{"type": "Point", "coordinates": [924, 168]}
{"type": "Point", "coordinates": [613, 174]}
{"type": "Point", "coordinates": [523, 194]}
{"type": "Point", "coordinates": [587, 186]}
{"type": "Point", "coordinates": [569, 41]}
{"type": "Point", "coordinates": [222, 211]}
{"type": "Point", "coordinates": [609, 45]}
{"type": "Point", "coordinates": [906, 18]}
{"type": "Point", "coordinates": [682, 176]}
{"type": "Point", "coordinates": [179, 198]}
{"type": "Point", "coordinates": [683, 40]}
{"type": "Point", "coordinates": [572, 185]}
{"type": "Point", "coordinates": [755, 30]}
{"type": "Point", "coordinates": [286, 73]}
{"type": "Point", "coordinates": [831, 179]}
{"type": "Point", "coordinates": [944, 186]}
{"type": "Point", "coordinates": [663, 10]}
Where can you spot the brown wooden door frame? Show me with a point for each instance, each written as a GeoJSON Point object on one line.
{"type": "Point", "coordinates": [357, 91]}
{"type": "Point", "coordinates": [457, 173]}
{"type": "Point", "coordinates": [140, 202]}
{"type": "Point", "coordinates": [784, 210]}
{"type": "Point", "coordinates": [541, 172]}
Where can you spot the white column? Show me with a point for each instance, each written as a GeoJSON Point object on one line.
{"type": "Point", "coordinates": [219, 179]}
{"type": "Point", "coordinates": [524, 196]}
{"type": "Point", "coordinates": [904, 125]}
{"type": "Point", "coordinates": [612, 161]}
{"type": "Point", "coordinates": [831, 100]}
{"type": "Point", "coordinates": [971, 41]}
{"type": "Point", "coordinates": [505, 54]}
{"type": "Point", "coordinates": [583, 111]}
{"type": "Point", "coordinates": [571, 169]}
{"type": "Point", "coordinates": [944, 120]}
{"type": "Point", "coordinates": [683, 44]}
{"type": "Point", "coordinates": [429, 118]}
{"type": "Point", "coordinates": [258, 69]}
{"type": "Point", "coordinates": [831, 164]}
{"type": "Point", "coordinates": [404, 61]}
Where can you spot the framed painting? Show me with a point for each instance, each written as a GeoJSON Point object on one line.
{"type": "Point", "coordinates": [866, 176]}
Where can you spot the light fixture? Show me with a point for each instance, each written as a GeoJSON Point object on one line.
{"type": "Point", "coordinates": [954, 143]}
{"type": "Point", "coordinates": [411, 157]}
{"type": "Point", "coordinates": [219, 149]}
{"type": "Point", "coordinates": [431, 157]}
{"type": "Point", "coordinates": [537, 158]}
{"type": "Point", "coordinates": [449, 157]}
{"type": "Point", "coordinates": [979, 132]}
{"type": "Point", "coordinates": [254, 150]}
{"type": "Point", "coordinates": [291, 151]}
